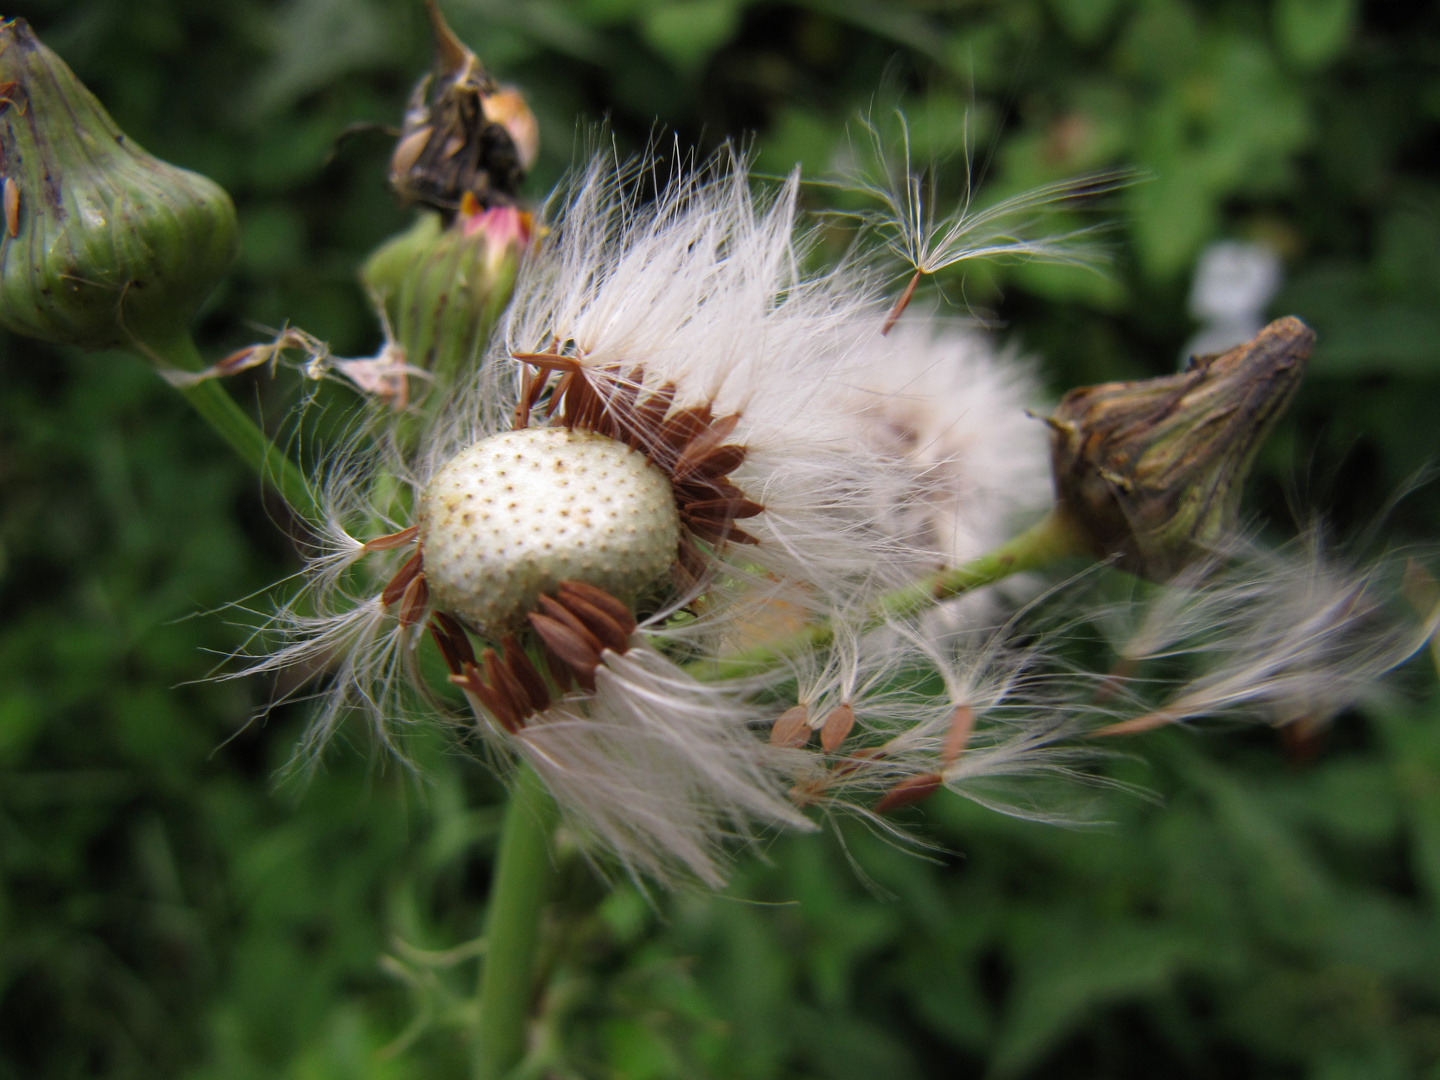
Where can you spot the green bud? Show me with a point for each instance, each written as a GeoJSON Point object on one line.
{"type": "Point", "coordinates": [1152, 471]}
{"type": "Point", "coordinates": [442, 288]}
{"type": "Point", "coordinates": [102, 243]}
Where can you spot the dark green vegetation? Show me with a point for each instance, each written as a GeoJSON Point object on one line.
{"type": "Point", "coordinates": [165, 911]}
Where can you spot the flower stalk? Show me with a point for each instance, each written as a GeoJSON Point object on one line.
{"type": "Point", "coordinates": [218, 409]}
{"type": "Point", "coordinates": [1049, 540]}
{"type": "Point", "coordinates": [524, 879]}
{"type": "Point", "coordinates": [105, 245]}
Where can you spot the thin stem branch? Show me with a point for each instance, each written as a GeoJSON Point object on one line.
{"type": "Point", "coordinates": [524, 879]}
{"type": "Point", "coordinates": [233, 425]}
{"type": "Point", "coordinates": [1052, 538]}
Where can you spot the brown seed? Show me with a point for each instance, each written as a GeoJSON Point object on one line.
{"type": "Point", "coordinates": [901, 304]}
{"type": "Point", "coordinates": [718, 462]}
{"type": "Point", "coordinates": [506, 683]}
{"type": "Point", "coordinates": [650, 413]}
{"type": "Point", "coordinates": [683, 426]}
{"type": "Point", "coordinates": [472, 682]}
{"type": "Point", "coordinates": [394, 540]}
{"type": "Point", "coordinates": [718, 532]}
{"type": "Point", "coordinates": [792, 729]}
{"type": "Point", "coordinates": [836, 727]}
{"type": "Point", "coordinates": [1148, 722]}
{"type": "Point", "coordinates": [612, 635]}
{"type": "Point", "coordinates": [707, 441]}
{"type": "Point", "coordinates": [415, 601]}
{"type": "Point", "coordinates": [548, 361]}
{"type": "Point", "coordinates": [962, 724]}
{"type": "Point", "coordinates": [856, 758]}
{"type": "Point", "coordinates": [908, 792]}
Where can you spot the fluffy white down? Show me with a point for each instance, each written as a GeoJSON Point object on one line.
{"type": "Point", "coordinates": [705, 290]}
{"type": "Point", "coordinates": [941, 397]}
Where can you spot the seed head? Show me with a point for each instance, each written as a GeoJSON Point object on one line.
{"type": "Point", "coordinates": [511, 517]}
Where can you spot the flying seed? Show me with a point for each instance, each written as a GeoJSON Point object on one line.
{"type": "Point", "coordinates": [901, 304]}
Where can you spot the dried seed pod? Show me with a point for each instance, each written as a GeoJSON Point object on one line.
{"type": "Point", "coordinates": [462, 133]}
{"type": "Point", "coordinates": [104, 244]}
{"type": "Point", "coordinates": [1152, 471]}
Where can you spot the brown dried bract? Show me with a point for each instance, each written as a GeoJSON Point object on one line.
{"type": "Point", "coordinates": [688, 445]}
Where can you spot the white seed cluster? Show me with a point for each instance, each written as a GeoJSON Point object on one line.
{"type": "Point", "coordinates": [513, 515]}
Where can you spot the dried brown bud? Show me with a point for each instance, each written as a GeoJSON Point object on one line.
{"type": "Point", "coordinates": [1152, 471]}
{"type": "Point", "coordinates": [463, 133]}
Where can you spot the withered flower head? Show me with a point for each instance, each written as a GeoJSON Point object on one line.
{"type": "Point", "coordinates": [1152, 471]}
{"type": "Point", "coordinates": [102, 244]}
{"type": "Point", "coordinates": [463, 133]}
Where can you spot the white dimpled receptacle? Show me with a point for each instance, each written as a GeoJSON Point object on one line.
{"type": "Point", "coordinates": [512, 516]}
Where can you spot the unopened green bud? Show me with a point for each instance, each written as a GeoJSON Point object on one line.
{"type": "Point", "coordinates": [1151, 472]}
{"type": "Point", "coordinates": [442, 288]}
{"type": "Point", "coordinates": [102, 243]}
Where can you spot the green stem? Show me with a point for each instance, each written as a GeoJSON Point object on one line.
{"type": "Point", "coordinates": [233, 425]}
{"type": "Point", "coordinates": [1052, 538]}
{"type": "Point", "coordinates": [524, 878]}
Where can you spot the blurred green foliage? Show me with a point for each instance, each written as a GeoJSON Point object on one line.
{"type": "Point", "coordinates": [167, 909]}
